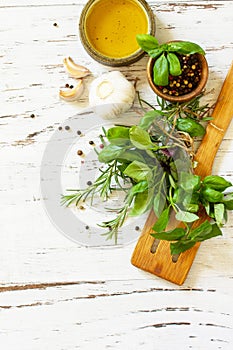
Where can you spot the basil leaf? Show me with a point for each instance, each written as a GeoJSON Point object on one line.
{"type": "Point", "coordinates": [138, 171]}
{"type": "Point", "coordinates": [147, 42]}
{"type": "Point", "coordinates": [142, 203]}
{"type": "Point", "coordinates": [190, 126]}
{"type": "Point", "coordinates": [160, 71]}
{"type": "Point", "coordinates": [185, 48]}
{"type": "Point", "coordinates": [189, 182]}
{"type": "Point", "coordinates": [110, 153]}
{"type": "Point", "coordinates": [162, 221]}
{"type": "Point", "coordinates": [181, 246]}
{"type": "Point", "coordinates": [219, 211]}
{"type": "Point", "coordinates": [155, 53]}
{"type": "Point", "coordinates": [193, 208]}
{"type": "Point", "coordinates": [174, 64]}
{"type": "Point", "coordinates": [140, 138]}
{"type": "Point", "coordinates": [211, 195]}
{"type": "Point", "coordinates": [118, 135]}
{"type": "Point", "coordinates": [148, 119]}
{"type": "Point", "coordinates": [159, 203]}
{"type": "Point", "coordinates": [205, 232]}
{"type": "Point", "coordinates": [198, 233]}
{"type": "Point", "coordinates": [216, 182]}
{"type": "Point", "coordinates": [186, 216]}
{"type": "Point", "coordinates": [139, 187]}
{"type": "Point", "coordinates": [171, 235]}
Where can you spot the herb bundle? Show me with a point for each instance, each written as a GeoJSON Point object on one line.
{"type": "Point", "coordinates": [155, 160]}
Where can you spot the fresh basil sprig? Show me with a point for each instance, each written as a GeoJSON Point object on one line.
{"type": "Point", "coordinates": [166, 61]}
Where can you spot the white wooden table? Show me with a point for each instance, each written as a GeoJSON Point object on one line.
{"type": "Point", "coordinates": [54, 293]}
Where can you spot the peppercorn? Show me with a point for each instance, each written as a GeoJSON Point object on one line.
{"type": "Point", "coordinates": [32, 115]}
{"type": "Point", "coordinates": [91, 143]}
{"type": "Point", "coordinates": [137, 228]}
{"type": "Point", "coordinates": [79, 152]}
{"type": "Point", "coordinates": [86, 227]}
{"type": "Point", "coordinates": [79, 132]}
{"type": "Point", "coordinates": [55, 24]}
{"type": "Point", "coordinates": [67, 127]}
{"type": "Point", "coordinates": [60, 128]}
{"type": "Point", "coordinates": [67, 85]}
{"type": "Point", "coordinates": [89, 183]}
{"type": "Point", "coordinates": [71, 86]}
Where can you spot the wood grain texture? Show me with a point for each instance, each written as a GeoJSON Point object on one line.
{"type": "Point", "coordinates": [63, 296]}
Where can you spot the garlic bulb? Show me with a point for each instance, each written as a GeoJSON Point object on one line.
{"type": "Point", "coordinates": [74, 69]}
{"type": "Point", "coordinates": [113, 91]}
{"type": "Point", "coordinates": [72, 94]}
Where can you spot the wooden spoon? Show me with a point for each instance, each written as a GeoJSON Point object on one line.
{"type": "Point", "coordinates": [153, 255]}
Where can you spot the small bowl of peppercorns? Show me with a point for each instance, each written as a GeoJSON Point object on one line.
{"type": "Point", "coordinates": [177, 71]}
{"type": "Point", "coordinates": [188, 84]}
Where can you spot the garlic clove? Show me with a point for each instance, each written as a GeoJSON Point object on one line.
{"type": "Point", "coordinates": [72, 94]}
{"type": "Point", "coordinates": [75, 70]}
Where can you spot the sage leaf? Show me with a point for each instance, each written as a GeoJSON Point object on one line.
{"type": "Point", "coordinates": [189, 182]}
{"type": "Point", "coordinates": [109, 153]}
{"type": "Point", "coordinates": [162, 221]}
{"type": "Point", "coordinates": [147, 42]}
{"type": "Point", "coordinates": [131, 155]}
{"type": "Point", "coordinates": [216, 182]}
{"type": "Point", "coordinates": [219, 211]}
{"type": "Point", "coordinates": [140, 138]}
{"type": "Point", "coordinates": [172, 235]}
{"type": "Point", "coordinates": [118, 135]}
{"type": "Point", "coordinates": [181, 246]}
{"type": "Point", "coordinates": [138, 171]}
{"type": "Point", "coordinates": [148, 119]}
{"type": "Point", "coordinates": [185, 48]}
{"type": "Point", "coordinates": [186, 216]}
{"type": "Point", "coordinates": [174, 64]}
{"type": "Point", "coordinates": [159, 203]}
{"type": "Point", "coordinates": [160, 71]}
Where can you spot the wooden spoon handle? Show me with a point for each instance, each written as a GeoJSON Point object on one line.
{"type": "Point", "coordinates": [159, 262]}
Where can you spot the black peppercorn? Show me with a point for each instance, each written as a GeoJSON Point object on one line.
{"type": "Point", "coordinates": [67, 127]}
{"type": "Point", "coordinates": [79, 152]}
{"type": "Point", "coordinates": [91, 143]}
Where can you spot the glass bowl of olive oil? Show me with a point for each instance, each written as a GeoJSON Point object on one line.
{"type": "Point", "coordinates": [108, 29]}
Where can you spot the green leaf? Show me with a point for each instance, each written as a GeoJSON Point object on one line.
{"type": "Point", "coordinates": [211, 195]}
{"type": "Point", "coordinates": [189, 182]}
{"type": "Point", "coordinates": [216, 182]}
{"type": "Point", "coordinates": [118, 135]}
{"type": "Point", "coordinates": [131, 155]}
{"type": "Point", "coordinates": [193, 208]}
{"type": "Point", "coordinates": [185, 47]}
{"type": "Point", "coordinates": [186, 216]}
{"type": "Point", "coordinates": [181, 246]}
{"type": "Point", "coordinates": [138, 171]}
{"type": "Point", "coordinates": [174, 64]}
{"type": "Point", "coordinates": [148, 119]}
{"type": "Point", "coordinates": [142, 203]}
{"type": "Point", "coordinates": [159, 203]}
{"type": "Point", "coordinates": [219, 211]}
{"type": "Point", "coordinates": [171, 235]}
{"type": "Point", "coordinates": [172, 182]}
{"type": "Point", "coordinates": [228, 201]}
{"type": "Point", "coordinates": [109, 153]}
{"type": "Point", "coordinates": [160, 71]}
{"type": "Point", "coordinates": [147, 42]}
{"type": "Point", "coordinates": [201, 231]}
{"type": "Point", "coordinates": [155, 52]}
{"type": "Point", "coordinates": [140, 187]}
{"type": "Point", "coordinates": [190, 126]}
{"type": "Point", "coordinates": [140, 138]}
{"type": "Point", "coordinates": [206, 232]}
{"type": "Point", "coordinates": [162, 221]}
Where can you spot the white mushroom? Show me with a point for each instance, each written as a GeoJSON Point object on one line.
{"type": "Point", "coordinates": [75, 70]}
{"type": "Point", "coordinates": [113, 91]}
